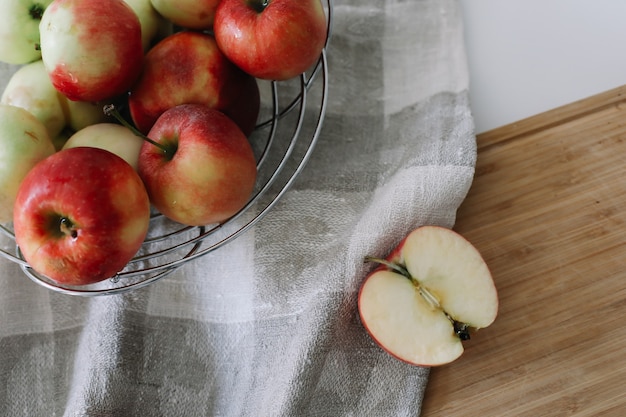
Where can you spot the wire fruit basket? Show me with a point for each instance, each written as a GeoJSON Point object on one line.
{"type": "Point", "coordinates": [290, 121]}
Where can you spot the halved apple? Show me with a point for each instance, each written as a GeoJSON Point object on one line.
{"type": "Point", "coordinates": [427, 296]}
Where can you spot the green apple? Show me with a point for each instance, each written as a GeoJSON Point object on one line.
{"type": "Point", "coordinates": [80, 114]}
{"type": "Point", "coordinates": [19, 30]}
{"type": "Point", "coordinates": [150, 20]}
{"type": "Point", "coordinates": [111, 137]}
{"type": "Point", "coordinates": [189, 14]}
{"type": "Point", "coordinates": [31, 89]}
{"type": "Point", "coordinates": [24, 141]}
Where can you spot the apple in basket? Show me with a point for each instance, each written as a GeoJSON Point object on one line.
{"type": "Point", "coordinates": [24, 141]}
{"type": "Point", "coordinates": [19, 30]}
{"type": "Point", "coordinates": [30, 88]}
{"type": "Point", "coordinates": [427, 296]}
{"type": "Point", "coordinates": [187, 67]}
{"type": "Point", "coordinates": [81, 215]}
{"type": "Point", "coordinates": [92, 49]}
{"type": "Point", "coordinates": [189, 14]}
{"type": "Point", "coordinates": [150, 20]}
{"type": "Point", "coordinates": [271, 39]}
{"type": "Point", "coordinates": [112, 137]}
{"type": "Point", "coordinates": [198, 166]}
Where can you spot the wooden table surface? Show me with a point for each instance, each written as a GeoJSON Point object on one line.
{"type": "Point", "coordinates": [547, 210]}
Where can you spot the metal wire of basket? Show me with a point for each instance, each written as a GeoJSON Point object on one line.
{"type": "Point", "coordinates": [291, 117]}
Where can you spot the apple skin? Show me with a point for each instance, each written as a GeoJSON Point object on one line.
{"type": "Point", "coordinates": [244, 109]}
{"type": "Point", "coordinates": [188, 68]}
{"type": "Point", "coordinates": [19, 30]}
{"type": "Point", "coordinates": [276, 41]}
{"type": "Point", "coordinates": [30, 88]}
{"type": "Point", "coordinates": [440, 265]}
{"type": "Point", "coordinates": [209, 171]}
{"type": "Point", "coordinates": [109, 136]}
{"type": "Point", "coordinates": [150, 20]}
{"type": "Point", "coordinates": [190, 14]}
{"type": "Point", "coordinates": [80, 114]}
{"type": "Point", "coordinates": [106, 211]}
{"type": "Point", "coordinates": [24, 141]}
{"type": "Point", "coordinates": [92, 49]}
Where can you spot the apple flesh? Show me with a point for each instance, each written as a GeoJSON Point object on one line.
{"type": "Point", "coordinates": [81, 215]}
{"type": "Point", "coordinates": [427, 296]}
{"type": "Point", "coordinates": [92, 49]}
{"type": "Point", "coordinates": [19, 30]}
{"type": "Point", "coordinates": [271, 39]}
{"type": "Point", "coordinates": [24, 141]}
{"type": "Point", "coordinates": [205, 171]}
{"type": "Point", "coordinates": [188, 68]}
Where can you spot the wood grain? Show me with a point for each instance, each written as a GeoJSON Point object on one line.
{"type": "Point", "coordinates": [547, 210]}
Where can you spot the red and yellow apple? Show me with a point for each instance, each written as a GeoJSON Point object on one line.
{"type": "Point", "coordinates": [427, 296]}
{"type": "Point", "coordinates": [92, 49]}
{"type": "Point", "coordinates": [24, 141]}
{"type": "Point", "coordinates": [81, 215]}
{"type": "Point", "coordinates": [188, 68]}
{"type": "Point", "coordinates": [271, 39]}
{"type": "Point", "coordinates": [204, 170]}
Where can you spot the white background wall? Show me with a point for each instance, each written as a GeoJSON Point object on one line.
{"type": "Point", "coordinates": [529, 56]}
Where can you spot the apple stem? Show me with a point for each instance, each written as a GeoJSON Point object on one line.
{"type": "Point", "coordinates": [111, 111]}
{"type": "Point", "coordinates": [398, 268]}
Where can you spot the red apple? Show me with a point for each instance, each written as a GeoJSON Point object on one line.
{"type": "Point", "coordinates": [205, 172]}
{"type": "Point", "coordinates": [81, 215]}
{"type": "Point", "coordinates": [188, 68]}
{"type": "Point", "coordinates": [271, 39]}
{"type": "Point", "coordinates": [244, 109]}
{"type": "Point", "coordinates": [427, 296]}
{"type": "Point", "coordinates": [92, 49]}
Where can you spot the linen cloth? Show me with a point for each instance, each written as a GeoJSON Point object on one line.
{"type": "Point", "coordinates": [268, 326]}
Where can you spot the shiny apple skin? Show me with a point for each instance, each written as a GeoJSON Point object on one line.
{"type": "Point", "coordinates": [107, 211]}
{"type": "Point", "coordinates": [273, 39]}
{"type": "Point", "coordinates": [188, 68]}
{"type": "Point", "coordinates": [209, 172]}
{"type": "Point", "coordinates": [92, 49]}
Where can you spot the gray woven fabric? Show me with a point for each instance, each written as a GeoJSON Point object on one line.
{"type": "Point", "coordinates": [268, 325]}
